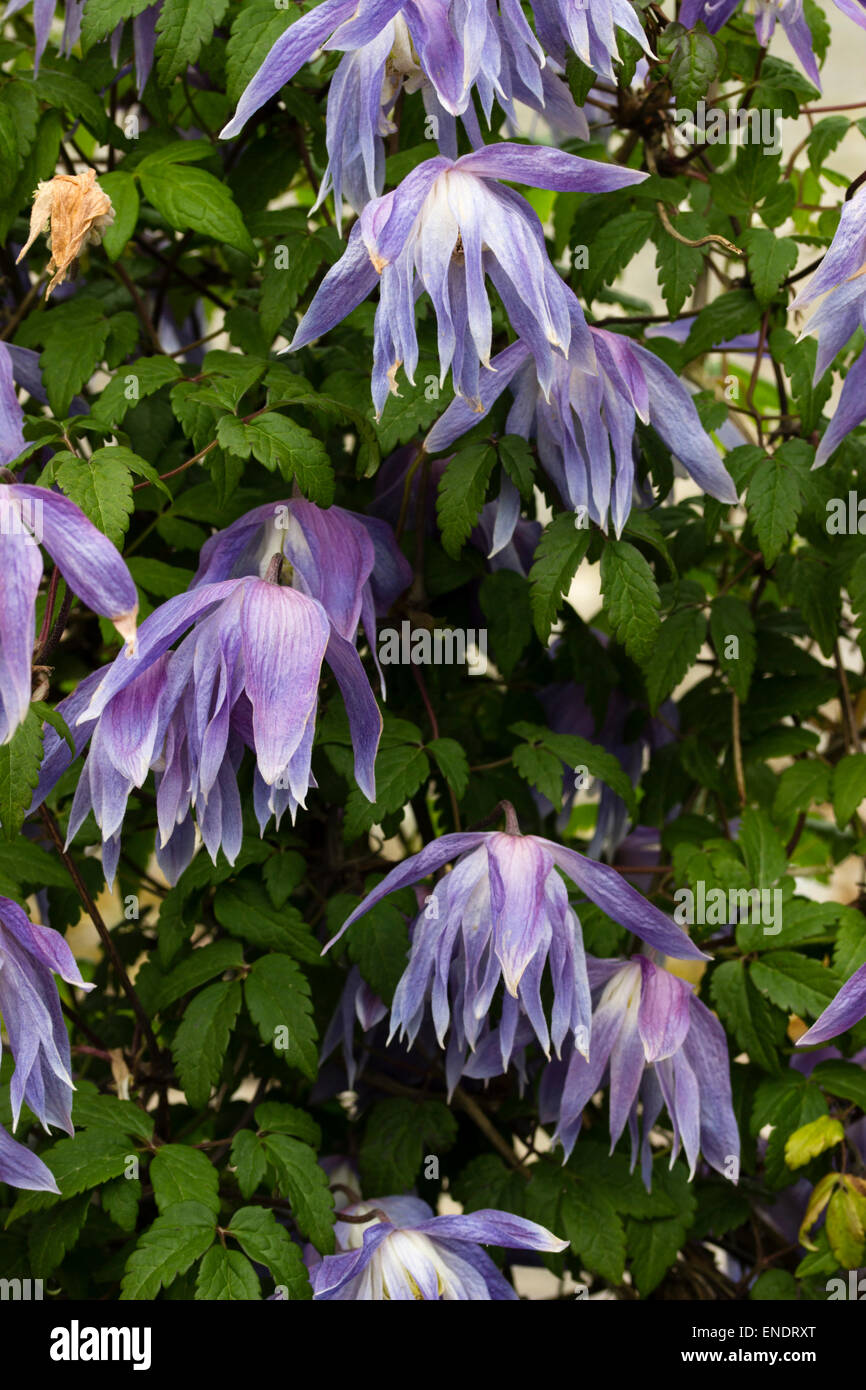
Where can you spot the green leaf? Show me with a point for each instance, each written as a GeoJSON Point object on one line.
{"type": "Point", "coordinates": [120, 1200]}
{"type": "Point", "coordinates": [653, 1247]}
{"type": "Point", "coordinates": [102, 487]}
{"type": "Point", "coordinates": [800, 786]}
{"type": "Point", "coordinates": [772, 1285]}
{"type": "Point", "coordinates": [202, 1039]}
{"type": "Point", "coordinates": [305, 1184]}
{"type": "Point", "coordinates": [19, 773]}
{"type": "Point", "coordinates": [278, 999]}
{"type": "Point", "coordinates": [400, 771]}
{"type": "Point", "coordinates": [75, 335]}
{"type": "Point", "coordinates": [731, 314]}
{"type": "Point", "coordinates": [505, 602]}
{"type": "Point", "coordinates": [462, 489]}
{"type": "Point", "coordinates": [278, 443]}
{"type": "Point", "coordinates": [730, 618]}
{"type": "Point", "coordinates": [846, 1225]}
{"type": "Point", "coordinates": [757, 1027]}
{"type": "Point", "coordinates": [762, 848]}
{"type": "Point", "coordinates": [87, 1160]}
{"type": "Point", "coordinates": [679, 267]}
{"type": "Point", "coordinates": [250, 1160]}
{"type": "Point", "coordinates": [191, 199]}
{"type": "Point", "coordinates": [632, 598]}
{"type": "Point", "coordinates": [517, 459]}
{"type": "Point", "coordinates": [278, 1118]}
{"type": "Point", "coordinates": [133, 383]}
{"type": "Point", "coordinates": [452, 763]}
{"type": "Point", "coordinates": [677, 643]}
{"type": "Point", "coordinates": [94, 1111]}
{"type": "Point", "coordinates": [245, 910]}
{"type": "Point", "coordinates": [197, 969]}
{"type": "Point", "coordinates": [849, 786]}
{"type": "Point", "coordinates": [101, 17]}
{"type": "Point", "coordinates": [589, 1220]}
{"type": "Point", "coordinates": [774, 503]}
{"type": "Point", "coordinates": [53, 1233]}
{"type": "Point", "coordinates": [770, 260]}
{"type": "Point", "coordinates": [399, 1136]}
{"type": "Point", "coordinates": [844, 1079]}
{"type": "Point", "coordinates": [121, 188]}
{"type": "Point", "coordinates": [168, 1248]}
{"type": "Point", "coordinates": [693, 65]}
{"type": "Point", "coordinates": [557, 557]}
{"type": "Point", "coordinates": [182, 1174]}
{"type": "Point", "coordinates": [226, 1276]}
{"type": "Point", "coordinates": [813, 1139]}
{"type": "Point", "coordinates": [268, 1243]}
{"type": "Point", "coordinates": [183, 27]}
{"type": "Point", "coordinates": [795, 982]}
{"type": "Point", "coordinates": [256, 28]}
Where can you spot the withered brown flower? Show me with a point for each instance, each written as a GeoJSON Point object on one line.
{"type": "Point", "coordinates": [78, 212]}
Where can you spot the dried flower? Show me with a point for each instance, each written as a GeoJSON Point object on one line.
{"type": "Point", "coordinates": [78, 212]}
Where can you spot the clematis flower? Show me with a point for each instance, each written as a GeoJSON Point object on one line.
{"type": "Point", "coordinates": [456, 44]}
{"type": "Point", "coordinates": [841, 276]}
{"type": "Point", "coordinates": [30, 956]}
{"type": "Point", "coordinates": [405, 1252]}
{"type": "Point", "coordinates": [350, 563]}
{"type": "Point", "coordinates": [588, 28]}
{"type": "Point", "coordinates": [657, 1045]}
{"type": "Point", "coordinates": [357, 1001]}
{"type": "Point", "coordinates": [143, 31]}
{"type": "Point", "coordinates": [789, 13]}
{"type": "Point", "coordinates": [369, 80]}
{"type": "Point", "coordinates": [584, 423]}
{"type": "Point", "coordinates": [848, 1007]}
{"type": "Point", "coordinates": [446, 226]}
{"type": "Point", "coordinates": [20, 1167]}
{"type": "Point", "coordinates": [89, 563]}
{"type": "Point", "coordinates": [503, 913]}
{"type": "Point", "coordinates": [76, 211]}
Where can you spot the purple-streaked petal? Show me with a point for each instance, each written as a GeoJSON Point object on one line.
{"type": "Point", "coordinates": [842, 1013]}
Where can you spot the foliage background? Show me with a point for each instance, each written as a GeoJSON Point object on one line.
{"type": "Point", "coordinates": [188, 296]}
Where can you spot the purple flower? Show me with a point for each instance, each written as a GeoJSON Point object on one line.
{"type": "Point", "coordinates": [502, 913]}
{"type": "Point", "coordinates": [20, 1167]}
{"type": "Point", "coordinates": [840, 277]}
{"type": "Point", "coordinates": [658, 1045]}
{"type": "Point", "coordinates": [585, 423]}
{"type": "Point", "coordinates": [405, 1252]}
{"type": "Point", "coordinates": [356, 1002]}
{"type": "Point", "coordinates": [454, 45]}
{"type": "Point", "coordinates": [589, 27]}
{"type": "Point", "coordinates": [854, 9]}
{"type": "Point", "coordinates": [30, 956]}
{"type": "Point", "coordinates": [447, 226]}
{"type": "Point", "coordinates": [143, 30]}
{"type": "Point", "coordinates": [716, 13]}
{"type": "Point", "coordinates": [247, 674]}
{"type": "Point", "coordinates": [841, 1013]}
{"type": "Point", "coordinates": [369, 80]}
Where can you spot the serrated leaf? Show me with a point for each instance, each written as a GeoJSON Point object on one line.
{"type": "Point", "coordinates": [400, 770]}
{"type": "Point", "coordinates": [168, 1248]}
{"type": "Point", "coordinates": [379, 946]}
{"type": "Point", "coordinates": [133, 383]}
{"type": "Point", "coordinates": [679, 267]}
{"type": "Point", "coordinates": [399, 1134]}
{"type": "Point", "coordinates": [305, 1184]}
{"type": "Point", "coordinates": [462, 489]}
{"type": "Point", "coordinates": [773, 503]}
{"type": "Point", "coordinates": [632, 598]}
{"type": "Point", "coordinates": [191, 199]}
{"type": "Point", "coordinates": [256, 28]}
{"type": "Point", "coordinates": [120, 1200]}
{"type": "Point", "coordinates": [770, 260]}
{"type": "Point", "coordinates": [268, 1243]}
{"type": "Point", "coordinates": [677, 643]}
{"type": "Point", "coordinates": [87, 1160]}
{"type": "Point", "coordinates": [53, 1233]}
{"type": "Point", "coordinates": [849, 786]}
{"type": "Point", "coordinates": [200, 1042]}
{"type": "Point", "coordinates": [557, 557]}
{"type": "Point", "coordinates": [653, 1247]}
{"type": "Point", "coordinates": [762, 848]}
{"type": "Point", "coordinates": [597, 1235]}
{"type": "Point", "coordinates": [249, 1158]}
{"type": "Point", "coordinates": [452, 763]}
{"type": "Point", "coordinates": [813, 1139]}
{"type": "Point", "coordinates": [182, 1174]}
{"type": "Point", "coordinates": [183, 27]}
{"type": "Point", "coordinates": [19, 772]}
{"type": "Point", "coordinates": [244, 909]}
{"type": "Point", "coordinates": [122, 189]}
{"type": "Point", "coordinates": [278, 443]}
{"type": "Point", "coordinates": [226, 1276]}
{"type": "Point", "coordinates": [730, 618]}
{"type": "Point", "coordinates": [801, 786]}
{"type": "Point", "coordinates": [757, 1027]}
{"type": "Point", "coordinates": [102, 487]}
{"type": "Point", "coordinates": [795, 982]}
{"type": "Point", "coordinates": [278, 999]}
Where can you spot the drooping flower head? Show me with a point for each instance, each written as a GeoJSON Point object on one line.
{"type": "Point", "coordinates": [589, 27]}
{"type": "Point", "coordinates": [503, 913]}
{"type": "Point", "coordinates": [30, 957]}
{"type": "Point", "coordinates": [447, 226]}
{"type": "Point", "coordinates": [584, 422]}
{"type": "Point", "coordinates": [841, 277]}
{"type": "Point", "coordinates": [767, 13]}
{"type": "Point", "coordinates": [654, 1044]}
{"type": "Point", "coordinates": [405, 1253]}
{"type": "Point", "coordinates": [456, 46]}
{"type": "Point", "coordinates": [143, 31]}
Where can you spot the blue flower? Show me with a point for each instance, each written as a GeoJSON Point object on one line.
{"type": "Point", "coordinates": [789, 13]}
